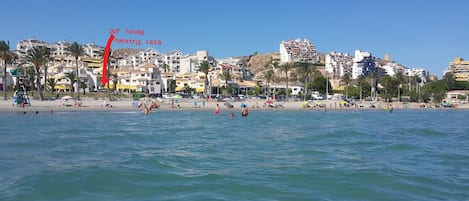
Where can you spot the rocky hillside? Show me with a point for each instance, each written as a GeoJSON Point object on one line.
{"type": "Point", "coordinates": [258, 61]}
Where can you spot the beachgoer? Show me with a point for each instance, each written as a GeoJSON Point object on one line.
{"type": "Point", "coordinates": [232, 115]}
{"type": "Point", "coordinates": [244, 111]}
{"type": "Point", "coordinates": [217, 110]}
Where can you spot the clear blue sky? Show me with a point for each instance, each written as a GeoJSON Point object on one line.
{"type": "Point", "coordinates": [416, 33]}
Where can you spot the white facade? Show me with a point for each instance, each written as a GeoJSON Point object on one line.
{"type": "Point", "coordinates": [59, 49]}
{"type": "Point", "coordinates": [338, 64]}
{"type": "Point", "coordinates": [420, 72]}
{"type": "Point", "coordinates": [298, 50]}
{"type": "Point", "coordinates": [363, 63]}
{"type": "Point", "coordinates": [393, 68]}
{"type": "Point", "coordinates": [93, 50]}
{"type": "Point", "coordinates": [147, 56]}
{"type": "Point", "coordinates": [25, 45]}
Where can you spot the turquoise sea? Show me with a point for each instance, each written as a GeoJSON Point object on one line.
{"type": "Point", "coordinates": [269, 155]}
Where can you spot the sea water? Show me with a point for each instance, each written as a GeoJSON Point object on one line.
{"type": "Point", "coordinates": [269, 155]}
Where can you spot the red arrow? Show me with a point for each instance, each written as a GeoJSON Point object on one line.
{"type": "Point", "coordinates": [104, 79]}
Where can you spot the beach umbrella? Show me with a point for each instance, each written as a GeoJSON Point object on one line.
{"type": "Point", "coordinates": [67, 97]}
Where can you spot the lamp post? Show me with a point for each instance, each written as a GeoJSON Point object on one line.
{"type": "Point", "coordinates": [130, 80]}
{"type": "Point", "coordinates": [327, 83]}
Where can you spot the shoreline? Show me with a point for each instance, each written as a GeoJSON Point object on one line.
{"type": "Point", "coordinates": [188, 105]}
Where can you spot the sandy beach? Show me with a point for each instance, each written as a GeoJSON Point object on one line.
{"type": "Point", "coordinates": [89, 104]}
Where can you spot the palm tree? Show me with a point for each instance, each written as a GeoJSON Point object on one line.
{"type": "Point", "coordinates": [269, 76]}
{"type": "Point", "coordinates": [8, 57]}
{"type": "Point", "coordinates": [205, 68]}
{"type": "Point", "coordinates": [361, 81]}
{"type": "Point", "coordinates": [83, 86]}
{"type": "Point", "coordinates": [286, 67]}
{"type": "Point", "coordinates": [346, 79]}
{"type": "Point", "coordinates": [76, 50]}
{"type": "Point", "coordinates": [52, 83]}
{"type": "Point", "coordinates": [72, 77]}
{"type": "Point", "coordinates": [305, 70]}
{"type": "Point", "coordinates": [401, 80]}
{"type": "Point", "coordinates": [373, 77]}
{"type": "Point", "coordinates": [226, 75]}
{"type": "Point", "coordinates": [38, 56]}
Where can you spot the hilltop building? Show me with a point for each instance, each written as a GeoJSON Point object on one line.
{"type": "Point", "coordinates": [298, 51]}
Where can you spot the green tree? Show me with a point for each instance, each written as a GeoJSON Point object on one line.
{"type": "Point", "coordinates": [71, 76]}
{"type": "Point", "coordinates": [319, 84]}
{"type": "Point", "coordinates": [286, 67]}
{"type": "Point", "coordinates": [361, 82]}
{"type": "Point", "coordinates": [8, 57]}
{"type": "Point", "coordinates": [435, 90]}
{"type": "Point", "coordinates": [38, 56]}
{"type": "Point", "coordinates": [346, 79]}
{"type": "Point", "coordinates": [226, 75]}
{"type": "Point", "coordinates": [83, 86]}
{"type": "Point", "coordinates": [268, 76]}
{"type": "Point", "coordinates": [450, 80]}
{"type": "Point", "coordinates": [205, 68]}
{"type": "Point", "coordinates": [52, 83]}
{"type": "Point", "coordinates": [305, 71]}
{"type": "Point", "coordinates": [390, 85]}
{"type": "Point", "coordinates": [400, 81]}
{"type": "Point", "coordinates": [115, 81]}
{"type": "Point", "coordinates": [76, 50]}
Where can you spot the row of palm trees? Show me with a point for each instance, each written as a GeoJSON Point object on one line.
{"type": "Point", "coordinates": [206, 68]}
{"type": "Point", "coordinates": [303, 71]}
{"type": "Point", "coordinates": [38, 57]}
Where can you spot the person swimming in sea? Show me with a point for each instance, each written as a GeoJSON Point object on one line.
{"type": "Point", "coordinates": [244, 111]}
{"type": "Point", "coordinates": [232, 115]}
{"type": "Point", "coordinates": [217, 110]}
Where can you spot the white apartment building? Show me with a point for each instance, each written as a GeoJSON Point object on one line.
{"type": "Point", "coordinates": [93, 50]}
{"type": "Point", "coordinates": [147, 56]}
{"type": "Point", "coordinates": [239, 67]}
{"type": "Point", "coordinates": [420, 72]}
{"type": "Point", "coordinates": [22, 47]}
{"type": "Point", "coordinates": [392, 68]}
{"type": "Point", "coordinates": [363, 64]}
{"type": "Point", "coordinates": [338, 64]}
{"type": "Point", "coordinates": [191, 63]}
{"type": "Point", "coordinates": [57, 49]}
{"type": "Point", "coordinates": [173, 60]}
{"type": "Point", "coordinates": [298, 50]}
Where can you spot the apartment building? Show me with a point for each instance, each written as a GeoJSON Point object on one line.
{"type": "Point", "coordinates": [459, 68]}
{"type": "Point", "coordinates": [298, 51]}
{"type": "Point", "coordinates": [363, 64]}
{"type": "Point", "coordinates": [338, 64]}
